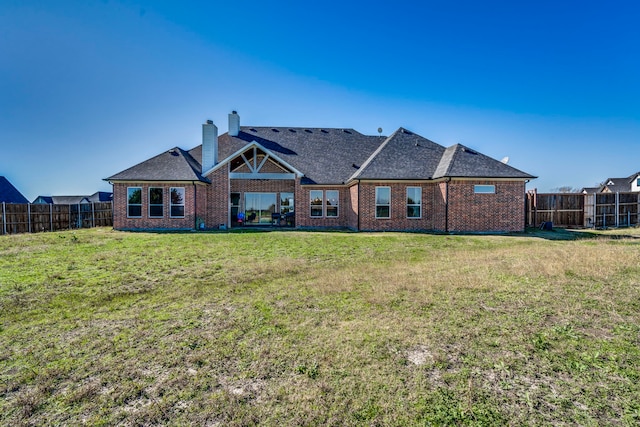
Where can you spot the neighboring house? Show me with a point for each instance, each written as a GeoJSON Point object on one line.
{"type": "Point", "coordinates": [319, 177]}
{"type": "Point", "coordinates": [589, 190]}
{"type": "Point", "coordinates": [621, 185]}
{"type": "Point", "coordinates": [100, 196]}
{"type": "Point", "coordinates": [9, 193]}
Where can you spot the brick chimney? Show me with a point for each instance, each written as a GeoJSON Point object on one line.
{"type": "Point", "coordinates": [234, 123]}
{"type": "Point", "coordinates": [209, 146]}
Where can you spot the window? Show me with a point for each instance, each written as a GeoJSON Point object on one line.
{"type": "Point", "coordinates": [155, 202]}
{"type": "Point", "coordinates": [484, 189]}
{"type": "Point", "coordinates": [332, 202]}
{"type": "Point", "coordinates": [286, 203]}
{"type": "Point", "coordinates": [316, 202]}
{"type": "Point", "coordinates": [134, 202]}
{"type": "Point", "coordinates": [414, 202]}
{"type": "Point", "coordinates": [383, 202]}
{"type": "Point", "coordinates": [638, 182]}
{"type": "Point", "coordinates": [177, 202]}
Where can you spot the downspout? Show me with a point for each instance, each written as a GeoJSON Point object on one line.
{"type": "Point", "coordinates": [358, 205]}
{"type": "Point", "coordinates": [446, 205]}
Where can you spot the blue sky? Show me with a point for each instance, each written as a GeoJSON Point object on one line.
{"type": "Point", "coordinates": [89, 88]}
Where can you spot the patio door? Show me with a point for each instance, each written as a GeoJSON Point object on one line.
{"type": "Point", "coordinates": [258, 208]}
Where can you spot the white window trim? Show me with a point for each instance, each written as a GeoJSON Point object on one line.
{"type": "Point", "coordinates": [184, 195]}
{"type": "Point", "coordinates": [414, 204]}
{"type": "Point", "coordinates": [376, 204]}
{"type": "Point", "coordinates": [484, 189]}
{"type": "Point", "coordinates": [134, 204]}
{"type": "Point", "coordinates": [155, 204]}
{"type": "Point", "coordinates": [326, 204]}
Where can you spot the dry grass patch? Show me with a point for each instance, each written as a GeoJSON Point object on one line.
{"type": "Point", "coordinates": [108, 328]}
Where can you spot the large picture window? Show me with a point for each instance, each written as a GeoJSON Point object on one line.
{"type": "Point", "coordinates": [156, 205]}
{"type": "Point", "coordinates": [177, 202]}
{"type": "Point", "coordinates": [259, 208]}
{"type": "Point", "coordinates": [315, 197]}
{"type": "Point", "coordinates": [414, 202]}
{"type": "Point", "coordinates": [383, 202]}
{"type": "Point", "coordinates": [134, 202]}
{"type": "Point", "coordinates": [332, 203]}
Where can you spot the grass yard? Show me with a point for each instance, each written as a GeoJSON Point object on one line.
{"type": "Point", "coordinates": [294, 328]}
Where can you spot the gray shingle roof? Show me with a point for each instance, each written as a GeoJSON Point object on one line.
{"type": "Point", "coordinates": [325, 156]}
{"type": "Point", "coordinates": [172, 165]}
{"type": "Point", "coordinates": [9, 193]}
{"type": "Point", "coordinates": [404, 155]}
{"type": "Point", "coordinates": [459, 161]}
{"type": "Point", "coordinates": [332, 156]}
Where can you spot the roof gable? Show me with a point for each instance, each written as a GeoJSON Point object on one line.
{"type": "Point", "coordinates": [404, 155]}
{"type": "Point", "coordinates": [255, 167]}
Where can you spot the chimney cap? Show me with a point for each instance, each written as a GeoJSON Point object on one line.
{"type": "Point", "coordinates": [234, 112]}
{"type": "Point", "coordinates": [209, 122]}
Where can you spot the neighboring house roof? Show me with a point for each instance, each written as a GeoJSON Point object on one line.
{"type": "Point", "coordinates": [9, 193]}
{"type": "Point", "coordinates": [175, 164]}
{"type": "Point", "coordinates": [61, 200]}
{"type": "Point", "coordinates": [618, 184]}
{"type": "Point", "coordinates": [589, 190]}
{"type": "Point", "coordinates": [332, 156]}
{"type": "Point", "coordinates": [101, 196]}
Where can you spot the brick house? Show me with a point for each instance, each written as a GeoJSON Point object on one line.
{"type": "Point", "coordinates": [319, 178]}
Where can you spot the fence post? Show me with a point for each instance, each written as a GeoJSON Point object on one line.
{"type": "Point", "coordinates": [50, 217]}
{"type": "Point", "coordinates": [4, 219]}
{"type": "Point", "coordinates": [93, 214]}
{"type": "Point", "coordinates": [29, 216]}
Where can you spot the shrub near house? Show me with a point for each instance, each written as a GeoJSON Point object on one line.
{"type": "Point", "coordinates": [320, 177]}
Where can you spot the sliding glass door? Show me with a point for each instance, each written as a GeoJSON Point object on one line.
{"type": "Point", "coordinates": [258, 207]}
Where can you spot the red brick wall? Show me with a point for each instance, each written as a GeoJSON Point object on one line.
{"type": "Point", "coordinates": [217, 207]}
{"type": "Point", "coordinates": [121, 222]}
{"type": "Point", "coordinates": [303, 208]}
{"type": "Point", "coordinates": [432, 208]}
{"type": "Point", "coordinates": [502, 211]}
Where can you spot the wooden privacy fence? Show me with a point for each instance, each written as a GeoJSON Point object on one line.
{"type": "Point", "coordinates": [597, 210]}
{"type": "Point", "coordinates": [33, 218]}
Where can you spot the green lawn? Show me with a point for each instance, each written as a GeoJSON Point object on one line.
{"type": "Point", "coordinates": [296, 328]}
